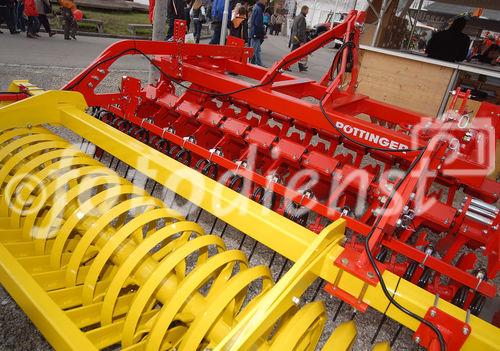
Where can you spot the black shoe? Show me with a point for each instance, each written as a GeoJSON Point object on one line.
{"type": "Point", "coordinates": [15, 32]}
{"type": "Point", "coordinates": [36, 35]}
{"type": "Point", "coordinates": [74, 37]}
{"type": "Point", "coordinates": [67, 38]}
{"type": "Point", "coordinates": [302, 68]}
{"type": "Point", "coordinates": [1, 32]}
{"type": "Point", "coordinates": [51, 34]}
{"type": "Point", "coordinates": [29, 35]}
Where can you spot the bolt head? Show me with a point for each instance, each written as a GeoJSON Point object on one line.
{"type": "Point", "coordinates": [417, 339]}
{"type": "Point", "coordinates": [344, 261]}
{"type": "Point", "coordinates": [466, 331]}
{"type": "Point", "coordinates": [433, 313]}
{"type": "Point", "coordinates": [296, 300]}
{"type": "Point", "coordinates": [370, 275]}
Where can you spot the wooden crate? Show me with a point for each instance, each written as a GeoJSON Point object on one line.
{"type": "Point", "coordinates": [399, 81]}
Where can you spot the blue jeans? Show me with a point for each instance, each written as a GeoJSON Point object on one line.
{"type": "Point", "coordinates": [21, 20]}
{"type": "Point", "coordinates": [170, 30]}
{"type": "Point", "coordinates": [255, 44]}
{"type": "Point", "coordinates": [197, 29]}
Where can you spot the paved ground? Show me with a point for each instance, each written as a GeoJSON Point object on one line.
{"type": "Point", "coordinates": [50, 63]}
{"type": "Point", "coordinates": [17, 52]}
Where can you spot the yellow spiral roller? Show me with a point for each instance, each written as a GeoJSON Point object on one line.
{"type": "Point", "coordinates": [125, 269]}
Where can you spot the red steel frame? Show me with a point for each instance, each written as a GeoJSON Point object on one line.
{"type": "Point", "coordinates": [204, 133]}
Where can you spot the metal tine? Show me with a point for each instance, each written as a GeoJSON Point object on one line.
{"type": "Point", "coordinates": [242, 241]}
{"type": "Point", "coordinates": [126, 172]}
{"type": "Point", "coordinates": [102, 154]}
{"type": "Point", "coordinates": [82, 142]}
{"type": "Point", "coordinates": [155, 183]}
{"type": "Point", "coordinates": [354, 314]}
{"type": "Point", "coordinates": [379, 327]}
{"type": "Point", "coordinates": [166, 194]}
{"type": "Point", "coordinates": [146, 184]}
{"type": "Point", "coordinates": [189, 210]}
{"type": "Point", "coordinates": [282, 270]}
{"type": "Point", "coordinates": [87, 146]}
{"type": "Point", "coordinates": [111, 161]}
{"type": "Point", "coordinates": [252, 251]}
{"type": "Point", "coordinates": [336, 315]}
{"type": "Point", "coordinates": [173, 200]}
{"type": "Point", "coordinates": [117, 164]}
{"type": "Point", "coordinates": [213, 225]}
{"type": "Point", "coordinates": [95, 151]}
{"type": "Point", "coordinates": [395, 337]}
{"type": "Point", "coordinates": [272, 259]}
{"type": "Point", "coordinates": [316, 292]}
{"type": "Point", "coordinates": [223, 230]}
{"type": "Point", "coordinates": [199, 215]}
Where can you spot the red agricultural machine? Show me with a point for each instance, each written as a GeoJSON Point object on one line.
{"type": "Point", "coordinates": [421, 243]}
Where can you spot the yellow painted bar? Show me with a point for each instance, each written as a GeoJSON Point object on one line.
{"type": "Point", "coordinates": [15, 87]}
{"type": "Point", "coordinates": [57, 328]}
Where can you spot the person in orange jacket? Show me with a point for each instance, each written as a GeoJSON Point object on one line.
{"type": "Point", "coordinates": [70, 26]}
{"type": "Point", "coordinates": [31, 12]}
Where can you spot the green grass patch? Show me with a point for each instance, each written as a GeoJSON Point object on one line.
{"type": "Point", "coordinates": [115, 22]}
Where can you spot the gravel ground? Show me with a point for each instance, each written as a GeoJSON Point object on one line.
{"type": "Point", "coordinates": [18, 333]}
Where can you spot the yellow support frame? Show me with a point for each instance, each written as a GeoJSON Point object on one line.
{"type": "Point", "coordinates": [278, 233]}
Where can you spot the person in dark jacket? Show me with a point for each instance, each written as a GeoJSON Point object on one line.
{"type": "Point", "coordinates": [44, 7]}
{"type": "Point", "coordinates": [450, 45]}
{"type": "Point", "coordinates": [187, 13]}
{"type": "Point", "coordinates": [239, 25]}
{"type": "Point", "coordinates": [298, 35]}
{"type": "Point", "coordinates": [7, 15]}
{"type": "Point", "coordinates": [257, 31]}
{"type": "Point", "coordinates": [175, 10]}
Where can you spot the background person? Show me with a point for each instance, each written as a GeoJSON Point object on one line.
{"type": "Point", "coordinates": [234, 13]}
{"type": "Point", "coordinates": [43, 7]}
{"type": "Point", "coordinates": [175, 10]}
{"type": "Point", "coordinates": [198, 14]}
{"type": "Point", "coordinates": [21, 19]}
{"type": "Point", "coordinates": [69, 23]}
{"type": "Point", "coordinates": [187, 11]}
{"type": "Point", "coordinates": [451, 44]}
{"type": "Point", "coordinates": [298, 35]}
{"type": "Point", "coordinates": [239, 25]}
{"type": "Point", "coordinates": [267, 21]}
{"type": "Point", "coordinates": [7, 15]}
{"type": "Point", "coordinates": [272, 24]}
{"type": "Point", "coordinates": [257, 31]}
{"type": "Point", "coordinates": [491, 55]}
{"type": "Point", "coordinates": [32, 14]}
{"type": "Point", "coordinates": [217, 15]}
{"type": "Point", "coordinates": [280, 19]}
